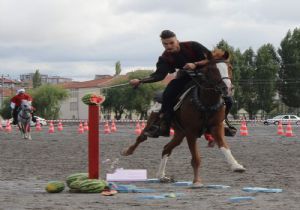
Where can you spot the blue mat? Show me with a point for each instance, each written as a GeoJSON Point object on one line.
{"type": "Point", "coordinates": [239, 199]}
{"type": "Point", "coordinates": [261, 189]}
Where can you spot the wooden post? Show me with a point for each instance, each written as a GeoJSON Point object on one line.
{"type": "Point", "coordinates": [94, 142]}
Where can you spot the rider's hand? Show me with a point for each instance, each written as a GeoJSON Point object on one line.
{"type": "Point", "coordinates": [189, 66]}
{"type": "Point", "coordinates": [135, 82]}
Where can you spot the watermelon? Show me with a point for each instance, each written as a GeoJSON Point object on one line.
{"type": "Point", "coordinates": [92, 186]}
{"type": "Point", "coordinates": [75, 185]}
{"type": "Point", "coordinates": [86, 98]}
{"type": "Point", "coordinates": [76, 176]}
{"type": "Point", "coordinates": [55, 187]}
{"type": "Point", "coordinates": [92, 99]}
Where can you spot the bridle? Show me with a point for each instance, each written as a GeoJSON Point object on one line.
{"type": "Point", "coordinates": [206, 82]}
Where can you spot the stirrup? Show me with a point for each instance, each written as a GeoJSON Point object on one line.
{"type": "Point", "coordinates": [230, 131]}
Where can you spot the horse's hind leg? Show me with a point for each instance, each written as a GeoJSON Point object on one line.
{"type": "Point", "coordinates": [218, 134]}
{"type": "Point", "coordinates": [176, 140]}
{"type": "Point", "coordinates": [196, 160]}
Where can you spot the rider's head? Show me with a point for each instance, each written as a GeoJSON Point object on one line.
{"type": "Point", "coordinates": [21, 91]}
{"type": "Point", "coordinates": [169, 41]}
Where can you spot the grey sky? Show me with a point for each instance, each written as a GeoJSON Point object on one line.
{"type": "Point", "coordinates": [81, 38]}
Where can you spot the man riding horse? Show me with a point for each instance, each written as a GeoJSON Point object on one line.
{"type": "Point", "coordinates": [177, 55]}
{"type": "Point", "coordinates": [16, 102]}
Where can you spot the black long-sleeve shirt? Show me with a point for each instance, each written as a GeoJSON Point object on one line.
{"type": "Point", "coordinates": [189, 52]}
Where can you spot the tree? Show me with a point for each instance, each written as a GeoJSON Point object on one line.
{"type": "Point", "coordinates": [5, 110]}
{"type": "Point", "coordinates": [36, 79]}
{"type": "Point", "coordinates": [289, 73]}
{"type": "Point", "coordinates": [118, 68]}
{"type": "Point", "coordinates": [47, 100]}
{"type": "Point", "coordinates": [267, 67]}
{"type": "Point", "coordinates": [247, 70]}
{"type": "Point", "coordinates": [126, 98]}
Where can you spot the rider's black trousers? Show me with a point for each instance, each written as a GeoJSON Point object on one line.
{"type": "Point", "coordinates": [173, 89]}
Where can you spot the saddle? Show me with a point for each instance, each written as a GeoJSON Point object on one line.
{"type": "Point", "coordinates": [230, 130]}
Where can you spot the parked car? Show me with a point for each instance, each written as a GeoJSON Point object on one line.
{"type": "Point", "coordinates": [294, 119]}
{"type": "Point", "coordinates": [42, 121]}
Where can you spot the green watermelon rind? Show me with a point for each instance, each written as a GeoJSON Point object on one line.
{"type": "Point", "coordinates": [92, 186]}
{"type": "Point", "coordinates": [86, 99]}
{"type": "Point", "coordinates": [58, 185]}
{"type": "Point", "coordinates": [77, 176]}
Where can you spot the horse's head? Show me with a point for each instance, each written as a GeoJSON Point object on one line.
{"type": "Point", "coordinates": [218, 72]}
{"type": "Point", "coordinates": [26, 106]}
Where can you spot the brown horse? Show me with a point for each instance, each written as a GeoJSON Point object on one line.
{"type": "Point", "coordinates": [202, 108]}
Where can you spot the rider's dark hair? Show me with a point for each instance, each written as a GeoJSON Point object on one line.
{"type": "Point", "coordinates": [165, 34]}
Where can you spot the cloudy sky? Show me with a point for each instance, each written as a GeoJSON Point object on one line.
{"type": "Point", "coordinates": [81, 38]}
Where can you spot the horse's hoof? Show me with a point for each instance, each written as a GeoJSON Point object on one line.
{"type": "Point", "coordinates": [239, 169]}
{"type": "Point", "coordinates": [196, 185]}
{"type": "Point", "coordinates": [166, 179]}
{"type": "Point", "coordinates": [126, 152]}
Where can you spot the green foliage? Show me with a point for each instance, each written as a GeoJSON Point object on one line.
{"type": "Point", "coordinates": [118, 68]}
{"type": "Point", "coordinates": [47, 100]}
{"type": "Point", "coordinates": [124, 98]}
{"type": "Point", "coordinates": [5, 110]}
{"type": "Point", "coordinates": [267, 66]}
{"type": "Point", "coordinates": [289, 74]}
{"type": "Point", "coordinates": [249, 99]}
{"type": "Point", "coordinates": [36, 79]}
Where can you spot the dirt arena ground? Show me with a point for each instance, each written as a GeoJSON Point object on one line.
{"type": "Point", "coordinates": [271, 161]}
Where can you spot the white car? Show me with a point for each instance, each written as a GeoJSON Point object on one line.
{"type": "Point", "coordinates": [42, 121]}
{"type": "Point", "coordinates": [294, 119]}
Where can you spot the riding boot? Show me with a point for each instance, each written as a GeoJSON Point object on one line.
{"type": "Point", "coordinates": [230, 130]}
{"type": "Point", "coordinates": [165, 125]}
{"type": "Point", "coordinates": [152, 128]}
{"type": "Point", "coordinates": [33, 118]}
{"type": "Point", "coordinates": [15, 116]}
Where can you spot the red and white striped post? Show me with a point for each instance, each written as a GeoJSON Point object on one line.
{"type": "Point", "coordinates": [94, 142]}
{"type": "Point", "coordinates": [93, 101]}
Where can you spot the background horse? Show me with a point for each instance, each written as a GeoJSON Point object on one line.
{"type": "Point", "coordinates": [24, 119]}
{"type": "Point", "coordinates": [201, 109]}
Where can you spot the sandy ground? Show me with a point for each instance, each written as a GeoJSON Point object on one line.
{"type": "Point", "coordinates": [271, 161]}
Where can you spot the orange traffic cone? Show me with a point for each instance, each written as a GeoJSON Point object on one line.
{"type": "Point", "coordinates": [113, 127]}
{"type": "Point", "coordinates": [51, 127]}
{"type": "Point", "coordinates": [80, 128]}
{"type": "Point", "coordinates": [172, 132]}
{"type": "Point", "coordinates": [85, 126]}
{"type": "Point", "coordinates": [106, 128]}
{"type": "Point", "coordinates": [38, 126]}
{"type": "Point", "coordinates": [289, 132]}
{"type": "Point", "coordinates": [138, 129]}
{"type": "Point", "coordinates": [60, 126]}
{"type": "Point", "coordinates": [280, 129]}
{"type": "Point", "coordinates": [244, 129]}
{"type": "Point", "coordinates": [8, 127]}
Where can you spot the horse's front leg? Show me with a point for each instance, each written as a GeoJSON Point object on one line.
{"type": "Point", "coordinates": [130, 150]}
{"type": "Point", "coordinates": [218, 134]}
{"type": "Point", "coordinates": [28, 132]}
{"type": "Point", "coordinates": [196, 160]}
{"type": "Point", "coordinates": [175, 141]}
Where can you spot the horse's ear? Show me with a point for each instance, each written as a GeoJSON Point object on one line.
{"type": "Point", "coordinates": [226, 54]}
